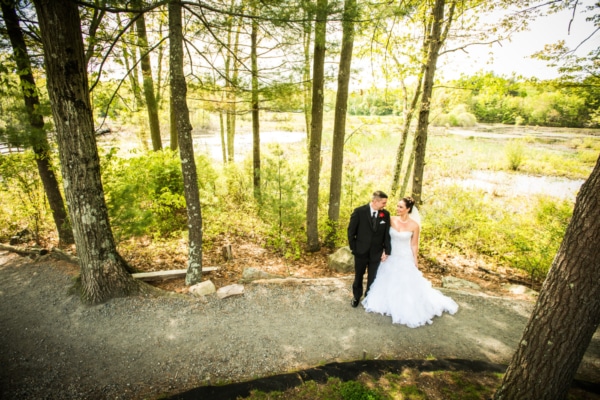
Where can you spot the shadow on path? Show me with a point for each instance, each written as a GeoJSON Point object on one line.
{"type": "Point", "coordinates": [348, 371]}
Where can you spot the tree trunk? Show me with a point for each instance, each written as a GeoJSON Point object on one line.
{"type": "Point", "coordinates": [306, 82]}
{"type": "Point", "coordinates": [409, 167]}
{"type": "Point", "coordinates": [230, 78]}
{"type": "Point", "coordinates": [174, 141]}
{"type": "Point", "coordinates": [130, 65]}
{"type": "Point", "coordinates": [39, 139]}
{"type": "Point", "coordinates": [222, 132]}
{"type": "Point", "coordinates": [567, 312]}
{"type": "Point", "coordinates": [104, 273]}
{"type": "Point", "coordinates": [316, 129]}
{"type": "Point", "coordinates": [255, 110]}
{"type": "Point", "coordinates": [151, 103]}
{"type": "Point", "coordinates": [186, 147]}
{"type": "Point", "coordinates": [435, 43]}
{"type": "Point", "coordinates": [339, 123]}
{"type": "Point", "coordinates": [408, 116]}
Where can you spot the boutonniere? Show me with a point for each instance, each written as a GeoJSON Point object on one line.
{"type": "Point", "coordinates": [381, 214]}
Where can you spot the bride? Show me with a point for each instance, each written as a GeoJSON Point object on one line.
{"type": "Point", "coordinates": [400, 290]}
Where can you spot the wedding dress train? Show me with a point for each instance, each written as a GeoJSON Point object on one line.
{"type": "Point", "coordinates": [402, 292]}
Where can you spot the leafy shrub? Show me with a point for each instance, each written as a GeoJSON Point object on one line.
{"type": "Point", "coordinates": [537, 237]}
{"type": "Point", "coordinates": [515, 154]}
{"type": "Point", "coordinates": [458, 116]}
{"type": "Point", "coordinates": [23, 198]}
{"type": "Point", "coordinates": [144, 195]}
{"type": "Point", "coordinates": [282, 202]}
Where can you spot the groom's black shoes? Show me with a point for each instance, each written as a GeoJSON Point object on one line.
{"type": "Point", "coordinates": [354, 303]}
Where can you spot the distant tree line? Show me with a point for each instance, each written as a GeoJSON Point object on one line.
{"type": "Point", "coordinates": [497, 99]}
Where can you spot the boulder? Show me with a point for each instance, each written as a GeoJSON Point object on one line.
{"type": "Point", "coordinates": [203, 288]}
{"type": "Point", "coordinates": [451, 282]}
{"type": "Point", "coordinates": [230, 290]}
{"type": "Point", "coordinates": [342, 260]}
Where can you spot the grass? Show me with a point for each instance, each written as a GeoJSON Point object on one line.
{"type": "Point", "coordinates": [409, 384]}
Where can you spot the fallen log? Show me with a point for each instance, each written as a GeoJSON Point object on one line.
{"type": "Point", "coordinates": [164, 275]}
{"type": "Point", "coordinates": [24, 252]}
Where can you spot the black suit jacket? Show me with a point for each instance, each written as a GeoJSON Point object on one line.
{"type": "Point", "coordinates": [362, 238]}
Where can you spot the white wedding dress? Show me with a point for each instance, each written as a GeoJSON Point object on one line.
{"type": "Point", "coordinates": [401, 291]}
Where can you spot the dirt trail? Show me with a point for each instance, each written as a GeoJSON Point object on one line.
{"type": "Point", "coordinates": [54, 347]}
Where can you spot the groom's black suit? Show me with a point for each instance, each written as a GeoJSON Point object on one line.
{"type": "Point", "coordinates": [367, 245]}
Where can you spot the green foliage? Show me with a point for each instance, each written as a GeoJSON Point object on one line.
{"type": "Point", "coordinates": [108, 103]}
{"type": "Point", "coordinates": [374, 103]}
{"type": "Point", "coordinates": [465, 222]}
{"type": "Point", "coordinates": [515, 100]}
{"type": "Point", "coordinates": [282, 204]}
{"type": "Point", "coordinates": [458, 116]}
{"type": "Point", "coordinates": [522, 235]}
{"type": "Point", "coordinates": [412, 392]}
{"type": "Point", "coordinates": [23, 199]}
{"type": "Point", "coordinates": [537, 237]}
{"type": "Point", "coordinates": [333, 389]}
{"type": "Point", "coordinates": [145, 196]}
{"type": "Point", "coordinates": [515, 154]}
{"type": "Point", "coordinates": [353, 390]}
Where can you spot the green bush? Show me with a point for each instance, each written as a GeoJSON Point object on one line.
{"type": "Point", "coordinates": [458, 116]}
{"type": "Point", "coordinates": [537, 237]}
{"type": "Point", "coordinates": [515, 154]}
{"type": "Point", "coordinates": [23, 199]}
{"type": "Point", "coordinates": [144, 194]}
{"type": "Point", "coordinates": [282, 203]}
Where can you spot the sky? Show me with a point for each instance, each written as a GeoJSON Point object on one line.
{"type": "Point", "coordinates": [514, 55]}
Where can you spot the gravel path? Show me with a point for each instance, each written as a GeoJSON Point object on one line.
{"type": "Point", "coordinates": [54, 347]}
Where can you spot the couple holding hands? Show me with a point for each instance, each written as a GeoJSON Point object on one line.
{"type": "Point", "coordinates": [386, 248]}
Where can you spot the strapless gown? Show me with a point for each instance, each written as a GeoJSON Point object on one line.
{"type": "Point", "coordinates": [401, 291]}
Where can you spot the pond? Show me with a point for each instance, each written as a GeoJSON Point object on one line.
{"type": "Point", "coordinates": [211, 144]}
{"type": "Point", "coordinates": [506, 184]}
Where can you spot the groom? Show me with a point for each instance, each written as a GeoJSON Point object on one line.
{"type": "Point", "coordinates": [369, 240]}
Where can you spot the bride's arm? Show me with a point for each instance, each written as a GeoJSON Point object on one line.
{"type": "Point", "coordinates": [414, 243]}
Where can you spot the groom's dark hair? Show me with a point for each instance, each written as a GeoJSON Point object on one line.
{"type": "Point", "coordinates": [378, 194]}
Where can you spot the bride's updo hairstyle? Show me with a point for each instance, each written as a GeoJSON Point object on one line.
{"type": "Point", "coordinates": [409, 202]}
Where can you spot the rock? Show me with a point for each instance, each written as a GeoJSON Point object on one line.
{"type": "Point", "coordinates": [520, 289]}
{"type": "Point", "coordinates": [231, 290]}
{"type": "Point", "coordinates": [252, 274]}
{"type": "Point", "coordinates": [203, 288]}
{"type": "Point", "coordinates": [342, 260]}
{"type": "Point", "coordinates": [451, 282]}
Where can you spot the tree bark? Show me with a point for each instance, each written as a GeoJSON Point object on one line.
{"type": "Point", "coordinates": [104, 273]}
{"type": "Point", "coordinates": [255, 109]}
{"type": "Point", "coordinates": [316, 129]}
{"type": "Point", "coordinates": [306, 82]}
{"type": "Point", "coordinates": [339, 122]}
{"type": "Point", "coordinates": [435, 40]}
{"type": "Point", "coordinates": [151, 103]}
{"type": "Point", "coordinates": [129, 63]}
{"type": "Point", "coordinates": [38, 137]}
{"type": "Point", "coordinates": [408, 117]}
{"type": "Point", "coordinates": [567, 312]}
{"type": "Point", "coordinates": [186, 146]}
{"type": "Point", "coordinates": [434, 45]}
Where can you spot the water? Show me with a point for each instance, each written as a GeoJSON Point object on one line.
{"type": "Point", "coordinates": [504, 184]}
{"type": "Point", "coordinates": [211, 144]}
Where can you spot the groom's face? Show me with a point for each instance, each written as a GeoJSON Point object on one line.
{"type": "Point", "coordinates": [379, 204]}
